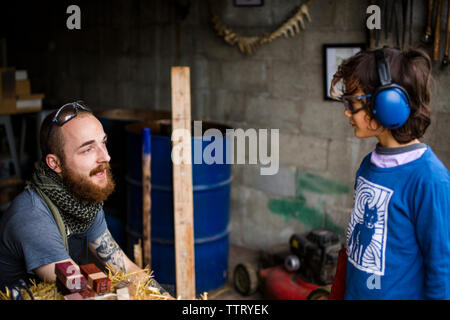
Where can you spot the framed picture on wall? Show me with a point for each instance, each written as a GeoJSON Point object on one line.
{"type": "Point", "coordinates": [248, 3]}
{"type": "Point", "coordinates": [333, 55]}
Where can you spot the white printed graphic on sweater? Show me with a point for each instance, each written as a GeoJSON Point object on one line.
{"type": "Point", "coordinates": [367, 230]}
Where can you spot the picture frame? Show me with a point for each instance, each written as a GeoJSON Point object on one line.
{"type": "Point", "coordinates": [248, 3]}
{"type": "Point", "coordinates": [333, 55]}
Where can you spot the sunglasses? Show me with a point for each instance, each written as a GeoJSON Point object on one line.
{"type": "Point", "coordinates": [64, 114]}
{"type": "Point", "coordinates": [349, 100]}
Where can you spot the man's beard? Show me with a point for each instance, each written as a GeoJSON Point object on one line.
{"type": "Point", "coordinates": [83, 188]}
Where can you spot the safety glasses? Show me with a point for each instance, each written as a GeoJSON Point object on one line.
{"type": "Point", "coordinates": [64, 114]}
{"type": "Point", "coordinates": [349, 101]}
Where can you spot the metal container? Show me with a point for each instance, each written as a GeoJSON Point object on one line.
{"type": "Point", "coordinates": [114, 122]}
{"type": "Point", "coordinates": [211, 196]}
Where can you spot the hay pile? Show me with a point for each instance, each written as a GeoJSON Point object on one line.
{"type": "Point", "coordinates": [138, 289]}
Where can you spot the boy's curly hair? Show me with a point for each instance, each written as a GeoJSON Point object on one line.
{"type": "Point", "coordinates": [409, 68]}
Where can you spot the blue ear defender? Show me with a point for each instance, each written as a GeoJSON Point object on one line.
{"type": "Point", "coordinates": [390, 101]}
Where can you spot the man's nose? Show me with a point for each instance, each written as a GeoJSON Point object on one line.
{"type": "Point", "coordinates": [347, 113]}
{"type": "Point", "coordinates": [104, 155]}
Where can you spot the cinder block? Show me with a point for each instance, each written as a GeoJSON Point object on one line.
{"type": "Point", "coordinates": [345, 157]}
{"type": "Point", "coordinates": [280, 184]}
{"type": "Point", "coordinates": [264, 227]}
{"type": "Point", "coordinates": [245, 75]}
{"type": "Point", "coordinates": [313, 51]}
{"type": "Point", "coordinates": [294, 80]}
{"type": "Point", "coordinates": [337, 218]}
{"type": "Point", "coordinates": [226, 106]}
{"type": "Point", "coordinates": [213, 47]}
{"type": "Point", "coordinates": [303, 151]}
{"type": "Point", "coordinates": [238, 213]}
{"type": "Point", "coordinates": [254, 225]}
{"type": "Point", "coordinates": [324, 119]}
{"type": "Point", "coordinates": [442, 131]}
{"type": "Point", "coordinates": [274, 113]}
{"type": "Point", "coordinates": [444, 156]}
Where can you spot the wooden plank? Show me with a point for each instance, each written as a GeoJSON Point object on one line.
{"type": "Point", "coordinates": [137, 251]}
{"type": "Point", "coordinates": [146, 198]}
{"type": "Point", "coordinates": [182, 184]}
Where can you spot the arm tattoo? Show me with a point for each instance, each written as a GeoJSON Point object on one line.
{"type": "Point", "coordinates": [108, 251]}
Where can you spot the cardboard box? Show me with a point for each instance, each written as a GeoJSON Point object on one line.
{"type": "Point", "coordinates": [30, 103]}
{"type": "Point", "coordinates": [23, 88]}
{"type": "Point", "coordinates": [15, 93]}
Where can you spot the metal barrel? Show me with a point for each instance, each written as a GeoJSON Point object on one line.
{"type": "Point", "coordinates": [211, 196]}
{"type": "Point", "coordinates": [114, 122]}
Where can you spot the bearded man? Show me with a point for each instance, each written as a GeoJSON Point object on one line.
{"type": "Point", "coordinates": [61, 208]}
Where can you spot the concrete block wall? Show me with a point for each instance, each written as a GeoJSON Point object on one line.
{"type": "Point", "coordinates": [122, 57]}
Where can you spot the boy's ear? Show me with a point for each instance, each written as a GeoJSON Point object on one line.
{"type": "Point", "coordinates": [53, 163]}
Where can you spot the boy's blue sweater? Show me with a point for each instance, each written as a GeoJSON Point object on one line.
{"type": "Point", "coordinates": [398, 238]}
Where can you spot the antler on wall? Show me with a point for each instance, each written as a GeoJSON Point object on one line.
{"type": "Point", "coordinates": [248, 45]}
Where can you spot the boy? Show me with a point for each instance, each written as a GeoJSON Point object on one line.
{"type": "Point", "coordinates": [398, 237]}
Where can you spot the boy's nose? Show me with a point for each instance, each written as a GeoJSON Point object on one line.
{"type": "Point", "coordinates": [347, 113]}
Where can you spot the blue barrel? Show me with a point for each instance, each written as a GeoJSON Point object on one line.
{"type": "Point", "coordinates": [115, 227]}
{"type": "Point", "coordinates": [211, 196]}
{"type": "Point", "coordinates": [114, 122]}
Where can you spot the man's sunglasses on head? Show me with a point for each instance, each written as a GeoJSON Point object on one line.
{"type": "Point", "coordinates": [64, 114]}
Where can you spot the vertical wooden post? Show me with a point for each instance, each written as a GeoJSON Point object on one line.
{"type": "Point", "coordinates": [182, 183]}
{"type": "Point", "coordinates": [146, 197]}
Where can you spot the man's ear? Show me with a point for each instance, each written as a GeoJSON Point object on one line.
{"type": "Point", "coordinates": [53, 163]}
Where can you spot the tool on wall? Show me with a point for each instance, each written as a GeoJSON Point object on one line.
{"type": "Point", "coordinates": [447, 37]}
{"type": "Point", "coordinates": [432, 34]}
{"type": "Point", "coordinates": [437, 32]}
{"type": "Point", "coordinates": [397, 16]}
{"type": "Point", "coordinates": [428, 31]}
{"type": "Point", "coordinates": [249, 44]}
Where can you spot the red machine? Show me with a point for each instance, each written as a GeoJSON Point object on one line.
{"type": "Point", "coordinates": [304, 271]}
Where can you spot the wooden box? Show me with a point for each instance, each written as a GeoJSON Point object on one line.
{"type": "Point", "coordinates": [97, 280]}
{"type": "Point", "coordinates": [70, 276]}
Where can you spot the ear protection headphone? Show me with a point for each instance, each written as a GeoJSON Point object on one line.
{"type": "Point", "coordinates": [390, 101]}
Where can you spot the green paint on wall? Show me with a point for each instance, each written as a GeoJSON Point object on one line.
{"type": "Point", "coordinates": [313, 217]}
{"type": "Point", "coordinates": [317, 184]}
{"type": "Point", "coordinates": [295, 209]}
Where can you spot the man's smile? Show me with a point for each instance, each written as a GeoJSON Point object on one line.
{"type": "Point", "coordinates": [101, 174]}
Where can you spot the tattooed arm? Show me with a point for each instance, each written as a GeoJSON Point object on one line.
{"type": "Point", "coordinates": [108, 252]}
